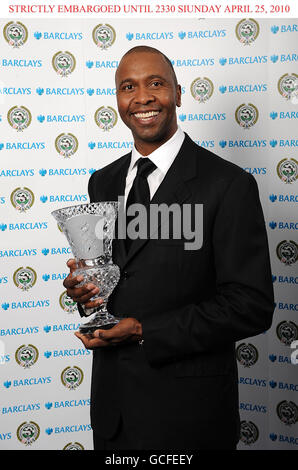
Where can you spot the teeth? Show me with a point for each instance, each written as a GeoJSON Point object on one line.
{"type": "Point", "coordinates": [146, 115]}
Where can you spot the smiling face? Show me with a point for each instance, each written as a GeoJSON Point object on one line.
{"type": "Point", "coordinates": [147, 96]}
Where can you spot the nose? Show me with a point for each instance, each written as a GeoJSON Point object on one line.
{"type": "Point", "coordinates": [143, 95]}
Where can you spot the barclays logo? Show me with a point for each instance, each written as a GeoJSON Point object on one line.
{"type": "Point", "coordinates": [58, 36]}
{"type": "Point", "coordinates": [111, 145]}
{"type": "Point", "coordinates": [203, 34]}
{"type": "Point", "coordinates": [24, 146]}
{"type": "Point", "coordinates": [286, 279]}
{"type": "Point", "coordinates": [67, 353]}
{"type": "Point", "coordinates": [61, 327]}
{"type": "Point", "coordinates": [282, 438]}
{"type": "Point", "coordinates": [60, 91]}
{"type": "Point", "coordinates": [252, 381]}
{"type": "Point", "coordinates": [21, 63]}
{"type": "Point", "coordinates": [28, 382]}
{"type": "Point", "coordinates": [43, 303]}
{"type": "Point", "coordinates": [54, 277]}
{"type": "Point", "coordinates": [56, 251]}
{"type": "Point", "coordinates": [101, 91]}
{"type": "Point", "coordinates": [150, 36]}
{"type": "Point", "coordinates": [205, 143]}
{"type": "Point", "coordinates": [243, 60]}
{"type": "Point", "coordinates": [27, 226]}
{"type": "Point", "coordinates": [288, 306]}
{"type": "Point", "coordinates": [203, 117]}
{"type": "Point", "coordinates": [66, 171]}
{"type": "Point", "coordinates": [67, 404]}
{"type": "Point", "coordinates": [274, 29]}
{"type": "Point", "coordinates": [61, 118]}
{"type": "Point", "coordinates": [15, 91]}
{"type": "Point", "coordinates": [197, 62]}
{"type": "Point", "coordinates": [69, 429]}
{"type": "Point", "coordinates": [284, 115]}
{"type": "Point", "coordinates": [243, 143]}
{"type": "Point", "coordinates": [29, 330]}
{"type": "Point", "coordinates": [283, 197]}
{"type": "Point", "coordinates": [102, 64]}
{"type": "Point", "coordinates": [64, 198]}
{"type": "Point", "coordinates": [256, 170]}
{"type": "Point", "coordinates": [283, 225]}
{"type": "Point", "coordinates": [17, 172]}
{"type": "Point", "coordinates": [248, 88]}
{"type": "Point", "coordinates": [17, 253]}
{"type": "Point", "coordinates": [21, 408]}
{"type": "Point", "coordinates": [289, 28]}
{"type": "Point", "coordinates": [252, 407]}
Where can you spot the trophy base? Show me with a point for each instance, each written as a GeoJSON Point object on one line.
{"type": "Point", "coordinates": [99, 322]}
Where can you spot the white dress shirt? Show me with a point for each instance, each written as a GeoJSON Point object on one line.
{"type": "Point", "coordinates": [162, 157]}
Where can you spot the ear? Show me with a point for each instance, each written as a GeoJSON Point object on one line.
{"type": "Point", "coordinates": [178, 96]}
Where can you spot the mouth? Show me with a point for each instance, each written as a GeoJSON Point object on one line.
{"type": "Point", "coordinates": [146, 117]}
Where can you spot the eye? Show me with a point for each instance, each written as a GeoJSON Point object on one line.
{"type": "Point", "coordinates": [156, 83]}
{"type": "Point", "coordinates": [127, 87]}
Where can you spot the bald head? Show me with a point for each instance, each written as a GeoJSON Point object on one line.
{"type": "Point", "coordinates": [151, 50]}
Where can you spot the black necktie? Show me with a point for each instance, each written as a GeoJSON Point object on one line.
{"type": "Point", "coordinates": [139, 192]}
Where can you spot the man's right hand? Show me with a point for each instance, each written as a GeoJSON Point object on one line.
{"type": "Point", "coordinates": [81, 294]}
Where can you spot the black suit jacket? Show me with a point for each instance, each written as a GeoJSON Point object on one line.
{"type": "Point", "coordinates": [179, 389]}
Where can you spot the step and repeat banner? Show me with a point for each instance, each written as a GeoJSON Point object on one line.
{"type": "Point", "coordinates": [58, 124]}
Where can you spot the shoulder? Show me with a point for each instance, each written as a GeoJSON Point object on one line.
{"type": "Point", "coordinates": [109, 170]}
{"type": "Point", "coordinates": [215, 168]}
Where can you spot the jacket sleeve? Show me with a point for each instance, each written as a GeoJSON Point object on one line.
{"type": "Point", "coordinates": [243, 303]}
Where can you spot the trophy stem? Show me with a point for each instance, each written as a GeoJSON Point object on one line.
{"type": "Point", "coordinates": [102, 320]}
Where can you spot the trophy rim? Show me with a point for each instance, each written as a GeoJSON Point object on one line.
{"type": "Point", "coordinates": [115, 204]}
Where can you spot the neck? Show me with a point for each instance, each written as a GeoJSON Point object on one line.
{"type": "Point", "coordinates": [145, 148]}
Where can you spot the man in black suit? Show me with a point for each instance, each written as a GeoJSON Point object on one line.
{"type": "Point", "coordinates": [165, 377]}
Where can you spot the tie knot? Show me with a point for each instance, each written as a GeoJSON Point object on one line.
{"type": "Point", "coordinates": [145, 167]}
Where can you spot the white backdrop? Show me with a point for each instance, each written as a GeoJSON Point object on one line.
{"type": "Point", "coordinates": [233, 80]}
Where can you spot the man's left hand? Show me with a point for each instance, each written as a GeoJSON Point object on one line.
{"type": "Point", "coordinates": [128, 329]}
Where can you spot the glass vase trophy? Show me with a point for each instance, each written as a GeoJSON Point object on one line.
{"type": "Point", "coordinates": [89, 229]}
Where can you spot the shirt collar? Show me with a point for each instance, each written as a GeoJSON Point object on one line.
{"type": "Point", "coordinates": [164, 155]}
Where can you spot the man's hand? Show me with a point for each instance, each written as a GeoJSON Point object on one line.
{"type": "Point", "coordinates": [127, 330]}
{"type": "Point", "coordinates": [82, 294]}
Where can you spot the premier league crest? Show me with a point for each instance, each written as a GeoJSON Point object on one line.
{"type": "Point", "coordinates": [106, 118]}
{"type": "Point", "coordinates": [202, 89]}
{"type": "Point", "coordinates": [287, 332]}
{"type": "Point", "coordinates": [19, 117]}
{"type": "Point", "coordinates": [104, 36]}
{"type": "Point", "coordinates": [246, 115]}
{"type": "Point", "coordinates": [72, 377]}
{"type": "Point", "coordinates": [66, 145]}
{"type": "Point", "coordinates": [287, 170]}
{"type": "Point", "coordinates": [66, 303]}
{"type": "Point", "coordinates": [247, 354]}
{"type": "Point", "coordinates": [249, 432]}
{"type": "Point", "coordinates": [287, 252]}
{"type": "Point", "coordinates": [287, 412]}
{"type": "Point", "coordinates": [26, 355]}
{"type": "Point", "coordinates": [15, 33]}
{"type": "Point", "coordinates": [22, 199]}
{"type": "Point", "coordinates": [73, 446]}
{"type": "Point", "coordinates": [28, 432]}
{"type": "Point", "coordinates": [288, 85]}
{"type": "Point", "coordinates": [24, 278]}
{"type": "Point", "coordinates": [247, 31]}
{"type": "Point", "coordinates": [64, 63]}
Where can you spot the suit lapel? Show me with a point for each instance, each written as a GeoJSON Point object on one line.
{"type": "Point", "coordinates": [173, 188]}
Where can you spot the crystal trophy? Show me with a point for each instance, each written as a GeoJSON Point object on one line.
{"type": "Point", "coordinates": [89, 229]}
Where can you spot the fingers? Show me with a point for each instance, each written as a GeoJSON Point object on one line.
{"type": "Point", "coordinates": [71, 263]}
{"type": "Point", "coordinates": [91, 342]}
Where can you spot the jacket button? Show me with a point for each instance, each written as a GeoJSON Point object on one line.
{"type": "Point", "coordinates": [125, 275]}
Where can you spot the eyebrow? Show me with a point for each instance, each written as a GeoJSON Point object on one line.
{"type": "Point", "coordinates": [150, 77]}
